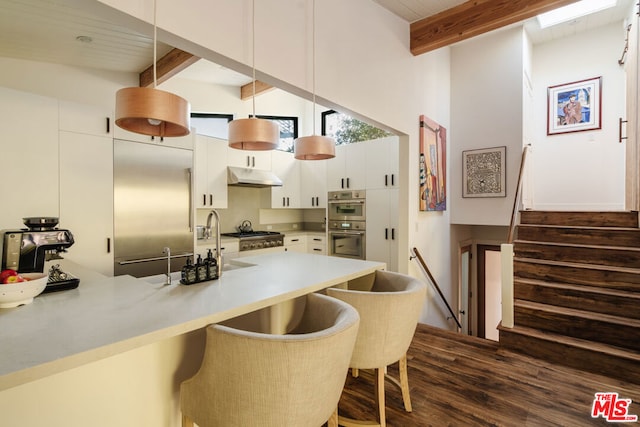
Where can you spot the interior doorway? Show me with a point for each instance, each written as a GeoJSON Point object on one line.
{"type": "Point", "coordinates": [489, 291]}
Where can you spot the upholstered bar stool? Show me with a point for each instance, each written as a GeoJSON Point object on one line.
{"type": "Point", "coordinates": [256, 379]}
{"type": "Point", "coordinates": [389, 314]}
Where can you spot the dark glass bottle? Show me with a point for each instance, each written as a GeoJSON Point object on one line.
{"type": "Point", "coordinates": [188, 273]}
{"type": "Point", "coordinates": [212, 266]}
{"type": "Point", "coordinates": [201, 270]}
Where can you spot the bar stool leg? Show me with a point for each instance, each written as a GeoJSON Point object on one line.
{"type": "Point", "coordinates": [404, 384]}
{"type": "Point", "coordinates": [379, 384]}
{"type": "Point", "coordinates": [186, 421]}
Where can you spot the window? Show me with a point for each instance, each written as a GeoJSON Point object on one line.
{"type": "Point", "coordinates": [347, 130]}
{"type": "Point", "coordinates": [209, 124]}
{"type": "Point", "coordinates": [288, 130]}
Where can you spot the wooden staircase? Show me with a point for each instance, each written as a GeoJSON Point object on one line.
{"type": "Point", "coordinates": [577, 291]}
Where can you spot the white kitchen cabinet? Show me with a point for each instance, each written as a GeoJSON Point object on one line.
{"type": "Point", "coordinates": [295, 243]}
{"type": "Point", "coordinates": [382, 163]}
{"type": "Point", "coordinates": [249, 159]}
{"type": "Point", "coordinates": [87, 119]}
{"type": "Point", "coordinates": [382, 227]}
{"type": "Point", "coordinates": [229, 248]}
{"type": "Point", "coordinates": [317, 243]}
{"type": "Point", "coordinates": [347, 170]}
{"type": "Point", "coordinates": [313, 184]}
{"type": "Point", "coordinates": [186, 142]}
{"type": "Point", "coordinates": [29, 146]}
{"type": "Point", "coordinates": [86, 198]}
{"type": "Point", "coordinates": [285, 167]}
{"type": "Point", "coordinates": [210, 172]}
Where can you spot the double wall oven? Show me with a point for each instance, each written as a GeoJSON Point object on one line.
{"type": "Point", "coordinates": [347, 223]}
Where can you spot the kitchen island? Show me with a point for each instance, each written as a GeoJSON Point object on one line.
{"type": "Point", "coordinates": [115, 350]}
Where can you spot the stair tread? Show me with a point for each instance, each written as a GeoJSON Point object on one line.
{"type": "Point", "coordinates": [625, 321]}
{"type": "Point", "coordinates": [579, 227]}
{"type": "Point", "coordinates": [579, 265]}
{"type": "Point", "coordinates": [581, 288]}
{"type": "Point", "coordinates": [575, 342]}
{"type": "Point", "coordinates": [578, 245]}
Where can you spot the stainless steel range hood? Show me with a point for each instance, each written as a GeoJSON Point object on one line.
{"type": "Point", "coordinates": [246, 177]}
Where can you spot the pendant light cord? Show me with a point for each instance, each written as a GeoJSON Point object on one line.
{"type": "Point", "coordinates": [155, 48]}
{"type": "Point", "coordinates": [313, 64]}
{"type": "Point", "coordinates": [253, 54]}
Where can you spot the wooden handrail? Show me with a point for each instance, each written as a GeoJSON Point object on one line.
{"type": "Point", "coordinates": [435, 284]}
{"type": "Point", "coordinates": [516, 199]}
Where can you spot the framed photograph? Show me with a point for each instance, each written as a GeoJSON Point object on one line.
{"type": "Point", "coordinates": [484, 172]}
{"type": "Point", "coordinates": [574, 107]}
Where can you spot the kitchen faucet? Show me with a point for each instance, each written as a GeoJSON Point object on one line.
{"type": "Point", "coordinates": [207, 235]}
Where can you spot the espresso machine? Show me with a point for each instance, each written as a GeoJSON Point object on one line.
{"type": "Point", "coordinates": [26, 250]}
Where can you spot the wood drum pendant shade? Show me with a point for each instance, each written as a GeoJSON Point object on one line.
{"type": "Point", "coordinates": [314, 147]}
{"type": "Point", "coordinates": [151, 111]}
{"type": "Point", "coordinates": [253, 134]}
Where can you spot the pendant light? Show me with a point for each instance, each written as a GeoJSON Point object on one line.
{"type": "Point", "coordinates": [253, 133]}
{"type": "Point", "coordinates": [314, 147]}
{"type": "Point", "coordinates": [150, 111]}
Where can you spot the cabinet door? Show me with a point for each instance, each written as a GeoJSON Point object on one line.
{"type": "Point", "coordinates": [86, 198]}
{"type": "Point", "coordinates": [249, 159]}
{"type": "Point", "coordinates": [210, 172]}
{"type": "Point", "coordinates": [382, 227]}
{"type": "Point", "coordinates": [313, 184]}
{"type": "Point", "coordinates": [186, 142]}
{"type": "Point", "coordinates": [88, 119]}
{"type": "Point", "coordinates": [288, 170]}
{"type": "Point", "coordinates": [29, 146]}
{"type": "Point", "coordinates": [382, 163]}
{"type": "Point", "coordinates": [347, 170]}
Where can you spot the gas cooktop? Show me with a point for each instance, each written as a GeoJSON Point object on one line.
{"type": "Point", "coordinates": [245, 234]}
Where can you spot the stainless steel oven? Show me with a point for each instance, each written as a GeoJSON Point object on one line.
{"type": "Point", "coordinates": [347, 239]}
{"type": "Point", "coordinates": [346, 205]}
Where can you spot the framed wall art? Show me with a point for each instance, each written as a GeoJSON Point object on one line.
{"type": "Point", "coordinates": [574, 107]}
{"type": "Point", "coordinates": [433, 165]}
{"type": "Point", "coordinates": [484, 172]}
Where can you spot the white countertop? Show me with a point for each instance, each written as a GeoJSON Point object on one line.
{"type": "Point", "coordinates": [105, 316]}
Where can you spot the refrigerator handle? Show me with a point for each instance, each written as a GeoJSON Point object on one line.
{"type": "Point", "coordinates": [190, 174]}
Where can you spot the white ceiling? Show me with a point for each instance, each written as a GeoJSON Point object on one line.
{"type": "Point", "coordinates": [46, 30]}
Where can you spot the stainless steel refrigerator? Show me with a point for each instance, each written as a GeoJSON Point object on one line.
{"type": "Point", "coordinates": [152, 207]}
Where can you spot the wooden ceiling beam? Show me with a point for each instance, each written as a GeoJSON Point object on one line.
{"type": "Point", "coordinates": [246, 91]}
{"type": "Point", "coordinates": [473, 18]}
{"type": "Point", "coordinates": [168, 66]}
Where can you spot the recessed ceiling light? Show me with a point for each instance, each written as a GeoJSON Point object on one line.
{"type": "Point", "coordinates": [84, 39]}
{"type": "Point", "coordinates": [573, 11]}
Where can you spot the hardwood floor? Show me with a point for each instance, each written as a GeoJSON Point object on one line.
{"type": "Point", "coordinates": [458, 380]}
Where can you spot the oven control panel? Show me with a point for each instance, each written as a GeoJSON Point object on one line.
{"type": "Point", "coordinates": [347, 225]}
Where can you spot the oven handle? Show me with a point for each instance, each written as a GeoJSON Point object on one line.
{"type": "Point", "coordinates": [346, 202]}
{"type": "Point", "coordinates": [353, 233]}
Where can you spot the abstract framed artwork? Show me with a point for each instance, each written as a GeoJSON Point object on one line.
{"type": "Point", "coordinates": [574, 107]}
{"type": "Point", "coordinates": [484, 172]}
{"type": "Point", "coordinates": [433, 165]}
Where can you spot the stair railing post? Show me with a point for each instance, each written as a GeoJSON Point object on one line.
{"type": "Point", "coordinates": [506, 261]}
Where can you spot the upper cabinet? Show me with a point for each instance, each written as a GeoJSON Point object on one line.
{"type": "Point", "coordinates": [347, 170]}
{"type": "Point", "coordinates": [382, 163]}
{"type": "Point", "coordinates": [313, 184]}
{"type": "Point", "coordinates": [87, 119]}
{"type": "Point", "coordinates": [249, 159]}
{"type": "Point", "coordinates": [29, 141]}
{"type": "Point", "coordinates": [185, 142]}
{"type": "Point", "coordinates": [210, 175]}
{"type": "Point", "coordinates": [285, 167]}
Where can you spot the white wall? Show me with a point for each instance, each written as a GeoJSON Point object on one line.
{"type": "Point", "coordinates": [486, 111]}
{"type": "Point", "coordinates": [580, 170]}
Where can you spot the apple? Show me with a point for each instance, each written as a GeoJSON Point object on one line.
{"type": "Point", "coordinates": [5, 274]}
{"type": "Point", "coordinates": [12, 279]}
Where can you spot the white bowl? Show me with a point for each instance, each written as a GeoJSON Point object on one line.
{"type": "Point", "coordinates": [20, 293]}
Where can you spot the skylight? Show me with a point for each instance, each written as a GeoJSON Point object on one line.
{"type": "Point", "coordinates": [573, 11]}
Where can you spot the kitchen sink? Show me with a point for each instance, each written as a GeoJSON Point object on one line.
{"type": "Point", "coordinates": [176, 275]}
